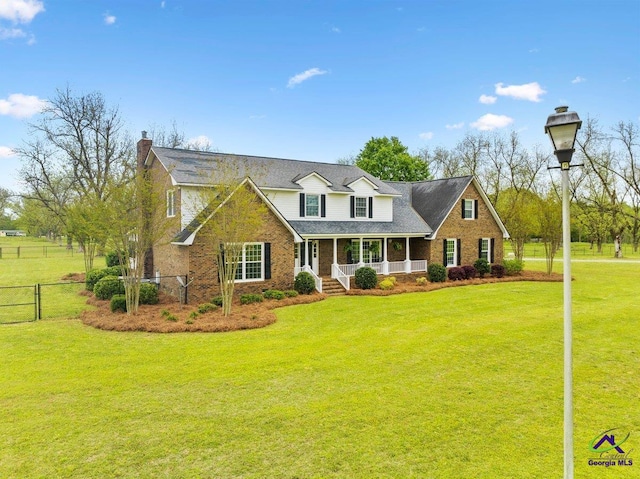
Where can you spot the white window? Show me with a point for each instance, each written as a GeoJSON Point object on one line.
{"type": "Point", "coordinates": [371, 251]}
{"type": "Point", "coordinates": [361, 207]}
{"type": "Point", "coordinates": [251, 263]}
{"type": "Point", "coordinates": [312, 205]}
{"type": "Point", "coordinates": [171, 203]}
{"type": "Point", "coordinates": [450, 252]}
{"type": "Point", "coordinates": [469, 209]}
{"type": "Point", "coordinates": [485, 249]}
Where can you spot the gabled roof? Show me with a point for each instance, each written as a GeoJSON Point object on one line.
{"type": "Point", "coordinates": [434, 200]}
{"type": "Point", "coordinates": [187, 235]}
{"type": "Point", "coordinates": [188, 167]}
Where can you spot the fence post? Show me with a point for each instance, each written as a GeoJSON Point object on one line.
{"type": "Point", "coordinates": [0, 253]}
{"type": "Point", "coordinates": [36, 301]}
{"type": "Point", "coordinates": [18, 252]}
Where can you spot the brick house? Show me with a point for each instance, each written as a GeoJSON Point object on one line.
{"type": "Point", "coordinates": [324, 218]}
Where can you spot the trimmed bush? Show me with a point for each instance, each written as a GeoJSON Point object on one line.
{"type": "Point", "coordinates": [393, 280]}
{"type": "Point", "coordinates": [118, 303]}
{"type": "Point", "coordinates": [513, 267]}
{"type": "Point", "coordinates": [274, 294]}
{"type": "Point", "coordinates": [482, 266]}
{"type": "Point", "coordinates": [108, 286]}
{"type": "Point", "coordinates": [206, 307]}
{"type": "Point", "coordinates": [387, 284]}
{"type": "Point", "coordinates": [217, 300]}
{"type": "Point", "coordinates": [112, 259]}
{"type": "Point", "coordinates": [469, 272]}
{"type": "Point", "coordinates": [366, 278]}
{"type": "Point", "coordinates": [148, 293]}
{"type": "Point", "coordinates": [291, 293]}
{"type": "Point", "coordinates": [436, 273]}
{"type": "Point", "coordinates": [304, 283]}
{"type": "Point", "coordinates": [456, 274]}
{"type": "Point", "coordinates": [422, 281]}
{"type": "Point", "coordinates": [497, 270]}
{"type": "Point", "coordinates": [93, 277]}
{"type": "Point", "coordinates": [250, 298]}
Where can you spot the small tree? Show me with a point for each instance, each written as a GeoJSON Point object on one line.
{"type": "Point", "coordinates": [389, 159]}
{"type": "Point", "coordinates": [550, 218]}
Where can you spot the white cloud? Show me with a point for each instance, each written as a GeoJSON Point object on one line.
{"type": "Point", "coordinates": [487, 99]}
{"type": "Point", "coordinates": [578, 79]}
{"type": "Point", "coordinates": [6, 152]}
{"type": "Point", "coordinates": [163, 4]}
{"type": "Point", "coordinates": [6, 33]}
{"type": "Point", "coordinates": [21, 106]}
{"type": "Point", "coordinates": [300, 77]}
{"type": "Point", "coordinates": [201, 142]}
{"type": "Point", "coordinates": [109, 19]}
{"type": "Point", "coordinates": [427, 135]}
{"type": "Point", "coordinates": [528, 91]}
{"type": "Point", "coordinates": [336, 30]}
{"type": "Point", "coordinates": [455, 126]}
{"type": "Point", "coordinates": [534, 50]}
{"type": "Point", "coordinates": [490, 122]}
{"type": "Point", "coordinates": [20, 11]}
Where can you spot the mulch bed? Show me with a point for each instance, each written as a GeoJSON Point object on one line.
{"type": "Point", "coordinates": [153, 318]}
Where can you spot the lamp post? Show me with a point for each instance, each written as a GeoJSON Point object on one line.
{"type": "Point", "coordinates": [562, 128]}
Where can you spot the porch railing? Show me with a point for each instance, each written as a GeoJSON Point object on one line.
{"type": "Point", "coordinates": [341, 276]}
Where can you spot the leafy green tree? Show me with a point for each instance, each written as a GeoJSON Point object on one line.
{"type": "Point", "coordinates": [389, 159]}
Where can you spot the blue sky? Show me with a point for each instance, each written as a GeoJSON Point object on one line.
{"type": "Point", "coordinates": [314, 80]}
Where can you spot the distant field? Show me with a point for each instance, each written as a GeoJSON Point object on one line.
{"type": "Point", "coordinates": [578, 251]}
{"type": "Point", "coordinates": [457, 383]}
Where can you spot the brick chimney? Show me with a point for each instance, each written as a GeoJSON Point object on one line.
{"type": "Point", "coordinates": [143, 147]}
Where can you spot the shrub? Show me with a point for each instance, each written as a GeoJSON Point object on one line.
{"type": "Point", "coordinates": [497, 270]}
{"type": "Point", "coordinates": [193, 315]}
{"type": "Point", "coordinates": [112, 258]}
{"type": "Point", "coordinates": [148, 293]}
{"type": "Point", "coordinates": [436, 273]}
{"type": "Point", "coordinates": [386, 284]}
{"type": "Point", "coordinates": [106, 287]}
{"type": "Point", "coordinates": [482, 266]}
{"type": "Point", "coordinates": [469, 272]}
{"type": "Point", "coordinates": [250, 298]}
{"type": "Point", "coordinates": [456, 273]}
{"type": "Point", "coordinates": [513, 267]}
{"type": "Point", "coordinates": [366, 278]}
{"type": "Point", "coordinates": [217, 300]}
{"type": "Point", "coordinates": [304, 283]}
{"type": "Point", "coordinates": [274, 294]}
{"type": "Point", "coordinates": [422, 281]}
{"type": "Point", "coordinates": [393, 280]}
{"type": "Point", "coordinates": [206, 307]}
{"type": "Point", "coordinates": [118, 303]}
{"type": "Point", "coordinates": [93, 277]}
{"type": "Point", "coordinates": [291, 293]}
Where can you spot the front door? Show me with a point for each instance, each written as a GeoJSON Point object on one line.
{"type": "Point", "coordinates": [313, 259]}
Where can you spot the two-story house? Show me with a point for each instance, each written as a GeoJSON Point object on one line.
{"type": "Point", "coordinates": [324, 218]}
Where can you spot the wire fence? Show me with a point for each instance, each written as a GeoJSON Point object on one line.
{"type": "Point", "coordinates": [45, 251]}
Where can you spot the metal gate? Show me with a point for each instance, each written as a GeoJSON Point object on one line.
{"type": "Point", "coordinates": [19, 304]}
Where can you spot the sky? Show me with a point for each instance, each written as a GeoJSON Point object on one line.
{"type": "Point", "coordinates": [316, 79]}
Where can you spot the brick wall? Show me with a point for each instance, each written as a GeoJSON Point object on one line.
{"type": "Point", "coordinates": [468, 231]}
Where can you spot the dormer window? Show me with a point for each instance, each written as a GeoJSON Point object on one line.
{"type": "Point", "coordinates": [313, 206]}
{"type": "Point", "coordinates": [362, 207]}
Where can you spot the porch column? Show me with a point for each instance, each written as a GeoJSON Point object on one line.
{"type": "Point", "coordinates": [407, 259]}
{"type": "Point", "coordinates": [305, 262]}
{"type": "Point", "coordinates": [385, 257]}
{"type": "Point", "coordinates": [335, 257]}
{"type": "Point", "coordinates": [361, 253]}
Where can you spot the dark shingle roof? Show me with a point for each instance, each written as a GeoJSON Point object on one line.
{"type": "Point", "coordinates": [434, 199]}
{"type": "Point", "coordinates": [188, 167]}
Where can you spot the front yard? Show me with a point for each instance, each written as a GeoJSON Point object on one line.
{"type": "Point", "coordinates": [460, 382]}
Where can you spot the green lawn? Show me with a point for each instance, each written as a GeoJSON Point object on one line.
{"type": "Point", "coordinates": [457, 383]}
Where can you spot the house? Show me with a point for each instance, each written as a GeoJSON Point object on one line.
{"type": "Point", "coordinates": [324, 218]}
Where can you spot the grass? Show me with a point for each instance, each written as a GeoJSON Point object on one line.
{"type": "Point", "coordinates": [59, 301]}
{"type": "Point", "coordinates": [578, 251]}
{"type": "Point", "coordinates": [461, 382]}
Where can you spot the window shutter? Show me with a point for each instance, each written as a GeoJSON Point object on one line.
{"type": "Point", "coordinates": [444, 252]}
{"type": "Point", "coordinates": [462, 209]}
{"type": "Point", "coordinates": [370, 206]}
{"type": "Point", "coordinates": [267, 261]}
{"type": "Point", "coordinates": [480, 248]}
{"type": "Point", "coordinates": [303, 205]}
{"type": "Point", "coordinates": [475, 206]}
{"type": "Point", "coordinates": [323, 206]}
{"type": "Point", "coordinates": [459, 263]}
{"type": "Point", "coordinates": [492, 247]}
{"type": "Point", "coordinates": [353, 206]}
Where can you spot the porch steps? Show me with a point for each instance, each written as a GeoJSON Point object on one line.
{"type": "Point", "coordinates": [332, 287]}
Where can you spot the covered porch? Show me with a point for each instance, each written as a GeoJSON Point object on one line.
{"type": "Point", "coordinates": [339, 257]}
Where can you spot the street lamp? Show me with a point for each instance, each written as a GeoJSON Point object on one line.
{"type": "Point", "coordinates": [562, 127]}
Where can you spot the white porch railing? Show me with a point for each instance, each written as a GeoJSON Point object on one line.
{"type": "Point", "coordinates": [342, 277]}
{"type": "Point", "coordinates": [347, 270]}
{"type": "Point", "coordinates": [418, 265]}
